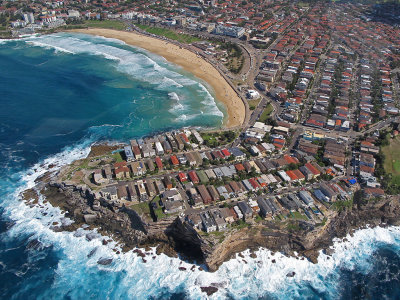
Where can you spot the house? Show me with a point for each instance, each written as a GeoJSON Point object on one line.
{"type": "Point", "coordinates": [237, 191]}
{"type": "Point", "coordinates": [226, 153]}
{"type": "Point", "coordinates": [128, 153]}
{"type": "Point", "coordinates": [218, 219]}
{"type": "Point", "coordinates": [172, 207]}
{"type": "Point", "coordinates": [223, 192]}
{"type": "Point", "coordinates": [265, 209]}
{"type": "Point", "coordinates": [98, 177]}
{"type": "Point", "coordinates": [182, 177]}
{"type": "Point", "coordinates": [205, 195]}
{"type": "Point", "coordinates": [121, 170]}
{"type": "Point", "coordinates": [245, 209]}
{"type": "Point", "coordinates": [237, 153]}
{"type": "Point", "coordinates": [150, 165]}
{"type": "Point", "coordinates": [122, 192]}
{"type": "Point", "coordinates": [306, 172]}
{"type": "Point", "coordinates": [213, 193]}
{"type": "Point", "coordinates": [174, 160]}
{"type": "Point", "coordinates": [159, 148]}
{"type": "Point", "coordinates": [108, 172]}
{"type": "Point", "coordinates": [238, 212]}
{"type": "Point", "coordinates": [141, 190]}
{"type": "Point", "coordinates": [136, 151]}
{"type": "Point", "coordinates": [208, 222]}
{"type": "Point", "coordinates": [374, 192]}
{"type": "Point", "coordinates": [167, 147]}
{"type": "Point", "coordinates": [320, 196]}
{"type": "Point", "coordinates": [194, 220]}
{"type": "Point", "coordinates": [191, 159]}
{"type": "Point", "coordinates": [171, 195]}
{"type": "Point", "coordinates": [328, 191]}
{"type": "Point", "coordinates": [284, 176]}
{"type": "Point", "coordinates": [138, 168]}
{"type": "Point", "coordinates": [195, 198]}
{"type": "Point", "coordinates": [288, 203]}
{"type": "Point", "coordinates": [110, 192]}
{"type": "Point", "coordinates": [210, 174]}
{"type": "Point", "coordinates": [193, 177]}
{"type": "Point", "coordinates": [159, 163]}
{"type": "Point", "coordinates": [306, 198]}
{"type": "Point", "coordinates": [313, 169]}
{"type": "Point", "coordinates": [132, 194]}
{"type": "Point", "coordinates": [247, 185]}
{"type": "Point", "coordinates": [151, 190]}
{"type": "Point", "coordinates": [148, 150]}
{"type": "Point", "coordinates": [227, 215]}
{"type": "Point", "coordinates": [159, 186]}
{"type": "Point", "coordinates": [218, 172]}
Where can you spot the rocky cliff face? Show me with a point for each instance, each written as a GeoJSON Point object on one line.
{"type": "Point", "coordinates": [307, 241]}
{"type": "Point", "coordinates": [172, 236]}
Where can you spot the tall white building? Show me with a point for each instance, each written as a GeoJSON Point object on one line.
{"type": "Point", "coordinates": [29, 18]}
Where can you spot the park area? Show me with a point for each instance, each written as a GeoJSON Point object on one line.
{"type": "Point", "coordinates": [391, 164]}
{"type": "Point", "coordinates": [170, 34]}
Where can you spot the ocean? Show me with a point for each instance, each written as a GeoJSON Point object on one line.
{"type": "Point", "coordinates": [60, 93]}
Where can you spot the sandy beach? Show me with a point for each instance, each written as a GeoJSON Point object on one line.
{"type": "Point", "coordinates": [188, 61]}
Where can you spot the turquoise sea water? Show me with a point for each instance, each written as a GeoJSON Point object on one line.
{"type": "Point", "coordinates": [58, 94]}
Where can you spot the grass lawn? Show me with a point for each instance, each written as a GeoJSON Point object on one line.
{"type": "Point", "coordinates": [298, 215]}
{"type": "Point", "coordinates": [158, 211]}
{"type": "Point", "coordinates": [392, 157]}
{"type": "Point", "coordinates": [266, 112]}
{"type": "Point", "coordinates": [109, 24]}
{"type": "Point", "coordinates": [254, 103]}
{"type": "Point", "coordinates": [117, 156]}
{"type": "Point", "coordinates": [141, 208]}
{"type": "Point", "coordinates": [180, 37]}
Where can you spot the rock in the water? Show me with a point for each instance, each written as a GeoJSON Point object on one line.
{"type": "Point", "coordinates": [273, 261]}
{"type": "Point", "coordinates": [139, 253]}
{"type": "Point", "coordinates": [34, 244]}
{"type": "Point", "coordinates": [79, 233]}
{"type": "Point", "coordinates": [209, 290]}
{"type": "Point", "coordinates": [91, 236]}
{"type": "Point", "coordinates": [105, 261]}
{"type": "Point", "coordinates": [290, 274]}
{"type": "Point", "coordinates": [91, 253]}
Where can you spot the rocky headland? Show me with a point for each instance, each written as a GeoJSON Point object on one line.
{"type": "Point", "coordinates": [173, 236]}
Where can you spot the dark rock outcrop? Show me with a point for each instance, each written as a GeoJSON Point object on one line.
{"type": "Point", "coordinates": [105, 261]}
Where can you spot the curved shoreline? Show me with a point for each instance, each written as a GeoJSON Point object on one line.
{"type": "Point", "coordinates": [189, 61]}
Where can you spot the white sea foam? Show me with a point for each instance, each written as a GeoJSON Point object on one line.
{"type": "Point", "coordinates": [48, 46]}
